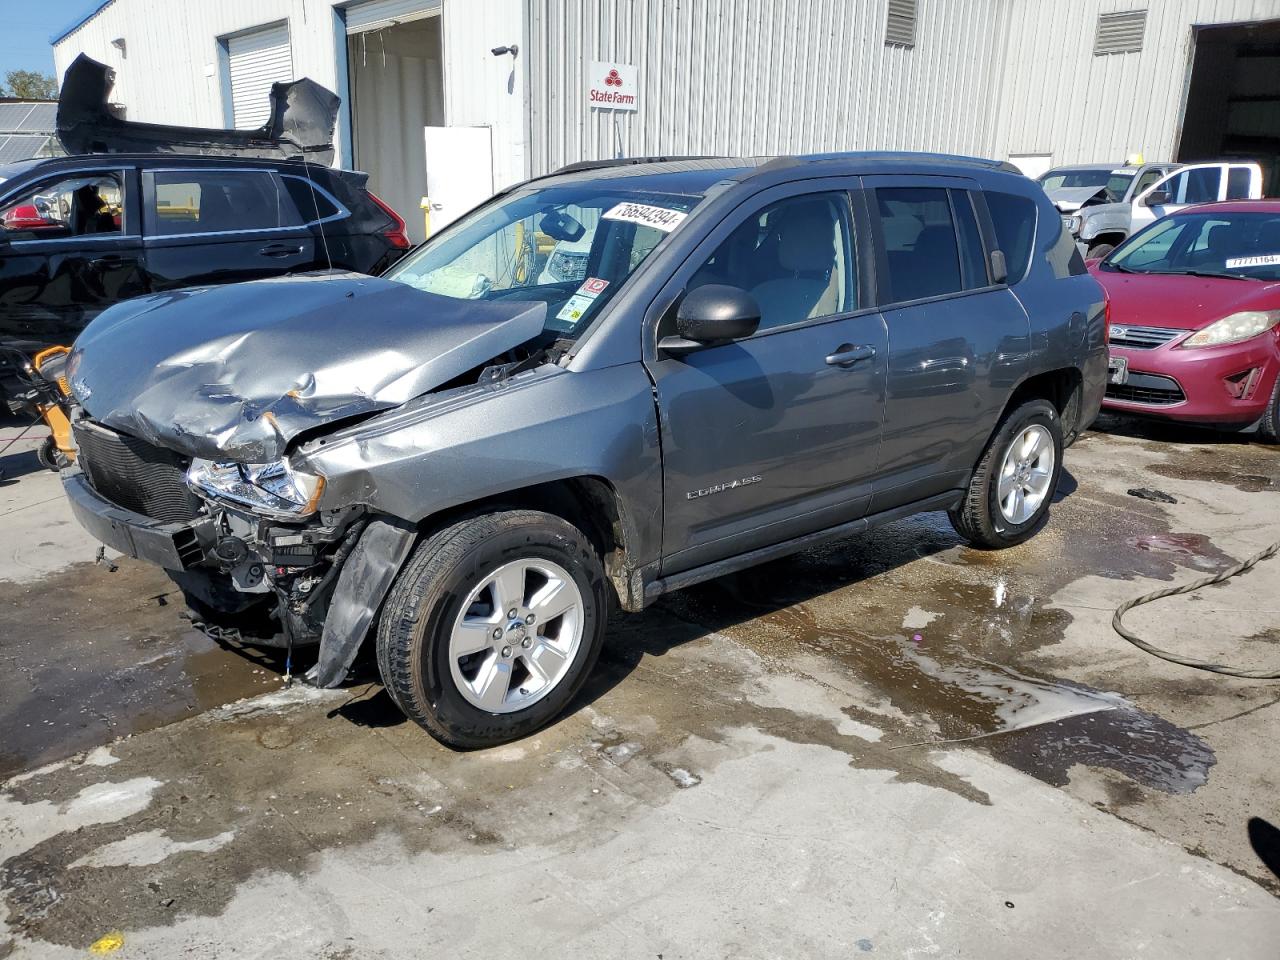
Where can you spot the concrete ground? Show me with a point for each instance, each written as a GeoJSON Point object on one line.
{"type": "Point", "coordinates": [894, 745]}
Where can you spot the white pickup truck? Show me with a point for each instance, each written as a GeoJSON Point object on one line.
{"type": "Point", "coordinates": [1102, 205]}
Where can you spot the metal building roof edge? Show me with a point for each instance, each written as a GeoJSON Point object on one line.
{"type": "Point", "coordinates": [68, 31]}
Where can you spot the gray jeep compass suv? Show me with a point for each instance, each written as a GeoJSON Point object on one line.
{"type": "Point", "coordinates": [601, 385]}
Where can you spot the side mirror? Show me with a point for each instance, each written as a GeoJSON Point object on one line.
{"type": "Point", "coordinates": [1156, 198]}
{"type": "Point", "coordinates": [710, 315]}
{"type": "Point", "coordinates": [999, 268]}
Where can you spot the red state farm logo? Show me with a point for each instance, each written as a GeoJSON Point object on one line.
{"type": "Point", "coordinates": [613, 80]}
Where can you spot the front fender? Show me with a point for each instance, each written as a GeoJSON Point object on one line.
{"type": "Point", "coordinates": [538, 427]}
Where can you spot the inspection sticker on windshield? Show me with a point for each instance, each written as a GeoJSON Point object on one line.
{"type": "Point", "coordinates": [660, 218]}
{"type": "Point", "coordinates": [1262, 260]}
{"type": "Point", "coordinates": [581, 301]}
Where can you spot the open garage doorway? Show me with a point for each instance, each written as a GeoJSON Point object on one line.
{"type": "Point", "coordinates": [1233, 102]}
{"type": "Point", "coordinates": [396, 84]}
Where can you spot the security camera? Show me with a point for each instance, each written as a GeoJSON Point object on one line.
{"type": "Point", "coordinates": [503, 51]}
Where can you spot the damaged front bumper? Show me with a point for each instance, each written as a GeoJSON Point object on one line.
{"type": "Point", "coordinates": [322, 582]}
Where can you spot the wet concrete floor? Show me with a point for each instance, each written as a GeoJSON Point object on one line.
{"type": "Point", "coordinates": [967, 679]}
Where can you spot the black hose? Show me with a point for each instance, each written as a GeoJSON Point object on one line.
{"type": "Point", "coordinates": [1227, 574]}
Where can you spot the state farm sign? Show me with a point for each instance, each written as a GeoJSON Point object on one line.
{"type": "Point", "coordinates": [613, 86]}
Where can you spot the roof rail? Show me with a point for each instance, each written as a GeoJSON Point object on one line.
{"type": "Point", "coordinates": [626, 162]}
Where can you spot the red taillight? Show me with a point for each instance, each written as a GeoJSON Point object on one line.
{"type": "Point", "coordinates": [397, 232]}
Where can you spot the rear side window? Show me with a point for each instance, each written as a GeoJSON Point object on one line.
{"type": "Point", "coordinates": [973, 256]}
{"type": "Point", "coordinates": [217, 201]}
{"type": "Point", "coordinates": [1014, 219]}
{"type": "Point", "coordinates": [312, 204]}
{"type": "Point", "coordinates": [1238, 183]}
{"type": "Point", "coordinates": [920, 247]}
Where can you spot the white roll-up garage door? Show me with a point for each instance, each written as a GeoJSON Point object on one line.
{"type": "Point", "coordinates": [255, 61]}
{"type": "Point", "coordinates": [377, 14]}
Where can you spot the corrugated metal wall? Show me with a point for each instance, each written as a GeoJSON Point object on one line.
{"type": "Point", "coordinates": [760, 76]}
{"type": "Point", "coordinates": [1055, 96]}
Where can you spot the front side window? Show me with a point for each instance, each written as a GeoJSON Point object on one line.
{"type": "Point", "coordinates": [571, 247]}
{"type": "Point", "coordinates": [794, 257]}
{"type": "Point", "coordinates": [184, 202]}
{"type": "Point", "coordinates": [1245, 245]}
{"type": "Point", "coordinates": [84, 205]}
{"type": "Point", "coordinates": [919, 242]}
{"type": "Point", "coordinates": [1194, 186]}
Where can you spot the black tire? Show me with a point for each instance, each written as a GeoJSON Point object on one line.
{"type": "Point", "coordinates": [426, 599]}
{"type": "Point", "coordinates": [1099, 250]}
{"type": "Point", "coordinates": [979, 518]}
{"type": "Point", "coordinates": [1269, 425]}
{"type": "Point", "coordinates": [47, 454]}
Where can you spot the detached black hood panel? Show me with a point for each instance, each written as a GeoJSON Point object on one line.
{"type": "Point", "coordinates": [235, 372]}
{"type": "Point", "coordinates": [303, 115]}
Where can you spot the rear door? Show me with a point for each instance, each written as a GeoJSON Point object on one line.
{"type": "Point", "coordinates": [221, 225]}
{"type": "Point", "coordinates": [958, 340]}
{"type": "Point", "coordinates": [1197, 183]}
{"type": "Point", "coordinates": [73, 248]}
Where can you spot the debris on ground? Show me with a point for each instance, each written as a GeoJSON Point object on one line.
{"type": "Point", "coordinates": [1155, 496]}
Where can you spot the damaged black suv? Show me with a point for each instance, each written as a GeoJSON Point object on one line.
{"type": "Point", "coordinates": [600, 386]}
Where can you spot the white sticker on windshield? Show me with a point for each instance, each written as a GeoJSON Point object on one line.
{"type": "Point", "coordinates": [660, 218]}
{"type": "Point", "coordinates": [1262, 260]}
{"type": "Point", "coordinates": [1121, 171]}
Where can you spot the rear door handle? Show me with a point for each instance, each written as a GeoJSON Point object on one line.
{"type": "Point", "coordinates": [279, 250]}
{"type": "Point", "coordinates": [847, 354]}
{"type": "Point", "coordinates": [111, 260]}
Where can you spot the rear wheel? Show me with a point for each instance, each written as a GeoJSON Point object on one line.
{"type": "Point", "coordinates": [493, 626]}
{"type": "Point", "coordinates": [47, 454]}
{"type": "Point", "coordinates": [1014, 482]}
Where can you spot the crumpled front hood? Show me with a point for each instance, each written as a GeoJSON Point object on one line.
{"type": "Point", "coordinates": [235, 372]}
{"type": "Point", "coordinates": [1070, 199]}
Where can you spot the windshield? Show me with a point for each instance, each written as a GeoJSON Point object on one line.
{"type": "Point", "coordinates": [570, 247]}
{"type": "Point", "coordinates": [1245, 245]}
{"type": "Point", "coordinates": [1116, 182]}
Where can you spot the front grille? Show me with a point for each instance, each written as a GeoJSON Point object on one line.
{"type": "Point", "coordinates": [134, 474]}
{"type": "Point", "coordinates": [1147, 388]}
{"type": "Point", "coordinates": [1142, 338]}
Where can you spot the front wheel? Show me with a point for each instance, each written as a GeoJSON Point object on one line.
{"type": "Point", "coordinates": [1269, 427]}
{"type": "Point", "coordinates": [1099, 250]}
{"type": "Point", "coordinates": [493, 626]}
{"type": "Point", "coordinates": [1015, 480]}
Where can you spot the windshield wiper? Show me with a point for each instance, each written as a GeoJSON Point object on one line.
{"type": "Point", "coordinates": [1123, 269]}
{"type": "Point", "coordinates": [1211, 273]}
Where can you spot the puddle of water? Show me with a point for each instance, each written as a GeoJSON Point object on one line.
{"type": "Point", "coordinates": [113, 658]}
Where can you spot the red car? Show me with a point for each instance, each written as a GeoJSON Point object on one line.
{"type": "Point", "coordinates": [1194, 307]}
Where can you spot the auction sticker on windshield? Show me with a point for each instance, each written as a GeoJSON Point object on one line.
{"type": "Point", "coordinates": [1262, 260]}
{"type": "Point", "coordinates": [660, 218]}
{"type": "Point", "coordinates": [581, 301]}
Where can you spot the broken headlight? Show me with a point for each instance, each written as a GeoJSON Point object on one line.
{"type": "Point", "coordinates": [273, 489]}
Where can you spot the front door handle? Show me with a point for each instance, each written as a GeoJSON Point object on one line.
{"type": "Point", "coordinates": [110, 260]}
{"type": "Point", "coordinates": [847, 354]}
{"type": "Point", "coordinates": [279, 250]}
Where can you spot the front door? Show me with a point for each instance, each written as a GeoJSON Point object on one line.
{"type": "Point", "coordinates": [1198, 183]}
{"type": "Point", "coordinates": [223, 225]}
{"type": "Point", "coordinates": [71, 249]}
{"type": "Point", "coordinates": [776, 435]}
{"type": "Point", "coordinates": [958, 341]}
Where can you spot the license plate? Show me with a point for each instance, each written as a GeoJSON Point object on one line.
{"type": "Point", "coordinates": [1118, 370]}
